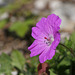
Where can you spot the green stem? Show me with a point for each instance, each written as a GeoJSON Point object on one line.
{"type": "Point", "coordinates": [68, 49]}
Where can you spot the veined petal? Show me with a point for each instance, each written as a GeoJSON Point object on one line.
{"type": "Point", "coordinates": [56, 40]}
{"type": "Point", "coordinates": [50, 54]}
{"type": "Point", "coordinates": [42, 25]}
{"type": "Point", "coordinates": [36, 42]}
{"type": "Point", "coordinates": [37, 49]}
{"type": "Point", "coordinates": [37, 33]}
{"type": "Point", "coordinates": [46, 55]}
{"type": "Point", "coordinates": [54, 21]}
{"type": "Point", "coordinates": [43, 56]}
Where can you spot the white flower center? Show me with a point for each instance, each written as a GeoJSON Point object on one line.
{"type": "Point", "coordinates": [48, 40]}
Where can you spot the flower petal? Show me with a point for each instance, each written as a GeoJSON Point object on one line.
{"type": "Point", "coordinates": [37, 49]}
{"type": "Point", "coordinates": [56, 40]}
{"type": "Point", "coordinates": [46, 54]}
{"type": "Point", "coordinates": [33, 45]}
{"type": "Point", "coordinates": [54, 20]}
{"type": "Point", "coordinates": [37, 33]}
{"type": "Point", "coordinates": [43, 56]}
{"type": "Point", "coordinates": [44, 26]}
{"type": "Point", "coordinates": [50, 54]}
{"type": "Point", "coordinates": [36, 42]}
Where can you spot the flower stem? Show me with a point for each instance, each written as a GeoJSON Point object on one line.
{"type": "Point", "coordinates": [70, 49]}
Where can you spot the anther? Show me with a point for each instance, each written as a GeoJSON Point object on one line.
{"type": "Point", "coordinates": [45, 38]}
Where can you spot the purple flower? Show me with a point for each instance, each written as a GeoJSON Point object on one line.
{"type": "Point", "coordinates": [46, 37]}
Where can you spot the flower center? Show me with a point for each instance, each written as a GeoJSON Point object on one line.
{"type": "Point", "coordinates": [48, 40]}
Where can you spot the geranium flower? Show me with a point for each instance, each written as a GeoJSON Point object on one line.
{"type": "Point", "coordinates": [46, 37]}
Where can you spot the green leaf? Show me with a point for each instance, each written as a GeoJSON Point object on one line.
{"type": "Point", "coordinates": [21, 28]}
{"type": "Point", "coordinates": [18, 59]}
{"type": "Point", "coordinates": [5, 64]}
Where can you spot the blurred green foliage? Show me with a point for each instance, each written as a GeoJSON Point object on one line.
{"type": "Point", "coordinates": [18, 59]}
{"type": "Point", "coordinates": [5, 64]}
{"type": "Point", "coordinates": [13, 6]}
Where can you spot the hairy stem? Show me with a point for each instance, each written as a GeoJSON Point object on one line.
{"type": "Point", "coordinates": [68, 49]}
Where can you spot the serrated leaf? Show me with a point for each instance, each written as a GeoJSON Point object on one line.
{"type": "Point", "coordinates": [18, 59]}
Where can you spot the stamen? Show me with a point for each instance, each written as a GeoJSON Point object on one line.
{"type": "Point", "coordinates": [48, 40]}
{"type": "Point", "coordinates": [45, 38]}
